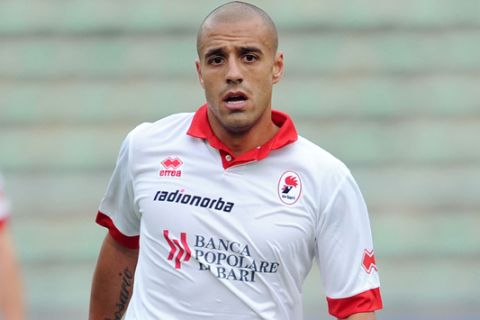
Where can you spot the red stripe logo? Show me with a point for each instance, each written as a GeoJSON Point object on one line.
{"type": "Point", "coordinates": [179, 250]}
{"type": "Point", "coordinates": [368, 261]}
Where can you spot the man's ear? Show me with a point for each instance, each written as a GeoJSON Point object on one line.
{"type": "Point", "coordinates": [278, 67]}
{"type": "Point", "coordinates": [199, 72]}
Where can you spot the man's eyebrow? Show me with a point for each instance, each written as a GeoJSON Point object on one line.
{"type": "Point", "coordinates": [214, 51]}
{"type": "Point", "coordinates": [250, 50]}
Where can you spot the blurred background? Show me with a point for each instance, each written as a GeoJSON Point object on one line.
{"type": "Point", "coordinates": [390, 87]}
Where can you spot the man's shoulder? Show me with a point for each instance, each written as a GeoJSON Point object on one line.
{"type": "Point", "coordinates": [317, 158]}
{"type": "Point", "coordinates": [164, 124]}
{"type": "Point", "coordinates": [309, 147]}
{"type": "Point", "coordinates": [172, 124]}
{"type": "Point", "coordinates": [166, 130]}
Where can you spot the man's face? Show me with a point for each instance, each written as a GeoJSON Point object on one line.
{"type": "Point", "coordinates": [237, 68]}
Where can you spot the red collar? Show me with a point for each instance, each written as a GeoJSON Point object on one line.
{"type": "Point", "coordinates": [200, 128]}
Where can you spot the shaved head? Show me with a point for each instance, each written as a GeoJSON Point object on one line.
{"type": "Point", "coordinates": [234, 12]}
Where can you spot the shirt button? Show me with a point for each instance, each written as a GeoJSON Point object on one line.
{"type": "Point", "coordinates": [228, 157]}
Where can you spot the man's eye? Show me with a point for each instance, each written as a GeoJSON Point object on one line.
{"type": "Point", "coordinates": [215, 60]}
{"type": "Point", "coordinates": [249, 58]}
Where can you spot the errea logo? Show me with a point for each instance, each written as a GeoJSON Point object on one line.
{"type": "Point", "coordinates": [171, 165]}
{"type": "Point", "coordinates": [289, 187]}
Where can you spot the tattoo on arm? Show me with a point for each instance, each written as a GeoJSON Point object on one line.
{"type": "Point", "coordinates": [124, 296]}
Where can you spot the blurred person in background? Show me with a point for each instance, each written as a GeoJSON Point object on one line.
{"type": "Point", "coordinates": [218, 214]}
{"type": "Point", "coordinates": [11, 303]}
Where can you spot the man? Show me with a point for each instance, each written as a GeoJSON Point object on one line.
{"type": "Point", "coordinates": [219, 214]}
{"type": "Point", "coordinates": [11, 305]}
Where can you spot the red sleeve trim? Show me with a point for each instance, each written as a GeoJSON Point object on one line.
{"type": "Point", "coordinates": [126, 241]}
{"type": "Point", "coordinates": [367, 301]}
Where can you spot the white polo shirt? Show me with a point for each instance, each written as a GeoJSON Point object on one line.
{"type": "Point", "coordinates": [222, 237]}
{"type": "Point", "coordinates": [4, 205]}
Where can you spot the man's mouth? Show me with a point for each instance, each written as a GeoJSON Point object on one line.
{"type": "Point", "coordinates": [235, 98]}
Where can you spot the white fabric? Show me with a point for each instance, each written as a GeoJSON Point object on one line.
{"type": "Point", "coordinates": [327, 220]}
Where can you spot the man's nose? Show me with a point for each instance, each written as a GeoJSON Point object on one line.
{"type": "Point", "coordinates": [234, 72]}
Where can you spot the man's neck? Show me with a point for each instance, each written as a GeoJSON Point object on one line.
{"type": "Point", "coordinates": [240, 143]}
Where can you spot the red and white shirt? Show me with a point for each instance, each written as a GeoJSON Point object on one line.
{"type": "Point", "coordinates": [225, 237]}
{"type": "Point", "coordinates": [4, 206]}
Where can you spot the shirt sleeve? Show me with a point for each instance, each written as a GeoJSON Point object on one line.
{"type": "Point", "coordinates": [4, 206]}
{"type": "Point", "coordinates": [117, 210]}
{"type": "Point", "coordinates": [345, 252]}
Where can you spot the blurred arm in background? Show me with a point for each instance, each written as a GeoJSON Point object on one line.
{"type": "Point", "coordinates": [11, 302]}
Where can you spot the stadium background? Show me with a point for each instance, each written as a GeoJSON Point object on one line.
{"type": "Point", "coordinates": [390, 87]}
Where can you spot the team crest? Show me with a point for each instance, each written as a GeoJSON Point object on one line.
{"type": "Point", "coordinates": [289, 187]}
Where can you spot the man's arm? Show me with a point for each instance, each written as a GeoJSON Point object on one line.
{"type": "Point", "coordinates": [362, 316]}
{"type": "Point", "coordinates": [112, 285]}
{"type": "Point", "coordinates": [11, 301]}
